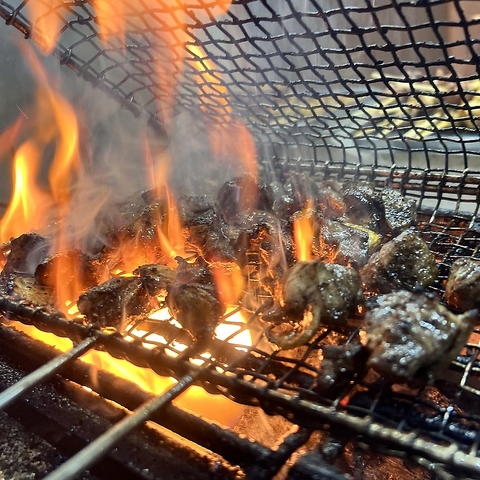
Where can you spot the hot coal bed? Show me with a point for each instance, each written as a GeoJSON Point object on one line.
{"type": "Point", "coordinates": [348, 101]}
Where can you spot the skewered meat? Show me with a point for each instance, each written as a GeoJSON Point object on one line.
{"type": "Point", "coordinates": [315, 294]}
{"type": "Point", "coordinates": [71, 266]}
{"type": "Point", "coordinates": [26, 288]}
{"type": "Point", "coordinates": [405, 262]}
{"type": "Point", "coordinates": [362, 205]}
{"type": "Point", "coordinates": [111, 303]}
{"type": "Point", "coordinates": [243, 194]}
{"type": "Point", "coordinates": [462, 290]}
{"type": "Point", "coordinates": [26, 252]}
{"type": "Point", "coordinates": [203, 229]}
{"type": "Point", "coordinates": [156, 279]}
{"type": "Point", "coordinates": [340, 365]}
{"type": "Point", "coordinates": [193, 300]}
{"type": "Point", "coordinates": [411, 337]}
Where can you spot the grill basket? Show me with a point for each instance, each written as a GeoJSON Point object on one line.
{"type": "Point", "coordinates": [386, 91]}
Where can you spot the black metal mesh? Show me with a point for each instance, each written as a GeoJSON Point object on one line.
{"type": "Point", "coordinates": [381, 90]}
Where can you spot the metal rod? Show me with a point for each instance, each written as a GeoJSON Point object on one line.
{"type": "Point", "coordinates": [99, 447]}
{"type": "Point", "coordinates": [44, 372]}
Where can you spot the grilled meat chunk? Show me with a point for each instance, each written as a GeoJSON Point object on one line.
{"type": "Point", "coordinates": [411, 337]}
{"type": "Point", "coordinates": [340, 365]}
{"type": "Point", "coordinates": [193, 300]}
{"type": "Point", "coordinates": [114, 301]}
{"type": "Point", "coordinates": [156, 279]}
{"type": "Point", "coordinates": [27, 289]}
{"type": "Point", "coordinates": [297, 192]}
{"type": "Point", "coordinates": [316, 294]}
{"type": "Point", "coordinates": [405, 262]}
{"type": "Point", "coordinates": [400, 213]}
{"type": "Point", "coordinates": [71, 266]}
{"type": "Point", "coordinates": [462, 290]}
{"type": "Point", "coordinates": [26, 252]}
{"type": "Point", "coordinates": [330, 199]}
{"type": "Point", "coordinates": [204, 229]}
{"type": "Point", "coordinates": [242, 194]}
{"type": "Point", "coordinates": [362, 205]}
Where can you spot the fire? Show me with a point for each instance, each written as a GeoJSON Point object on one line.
{"type": "Point", "coordinates": [29, 204]}
{"type": "Point", "coordinates": [47, 23]}
{"type": "Point", "coordinates": [303, 232]}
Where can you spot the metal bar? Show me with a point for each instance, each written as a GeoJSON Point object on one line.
{"type": "Point", "coordinates": [44, 372]}
{"type": "Point", "coordinates": [98, 448]}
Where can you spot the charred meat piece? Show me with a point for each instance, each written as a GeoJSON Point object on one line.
{"type": "Point", "coordinates": [314, 294]}
{"type": "Point", "coordinates": [362, 205]}
{"type": "Point", "coordinates": [27, 289]}
{"type": "Point", "coordinates": [330, 199]}
{"type": "Point", "coordinates": [203, 229]}
{"type": "Point", "coordinates": [156, 279]}
{"type": "Point", "coordinates": [298, 191]}
{"type": "Point", "coordinates": [340, 365]}
{"type": "Point", "coordinates": [462, 290]}
{"type": "Point", "coordinates": [405, 262]}
{"type": "Point", "coordinates": [400, 213]}
{"type": "Point", "coordinates": [114, 301]}
{"type": "Point", "coordinates": [69, 267]}
{"type": "Point", "coordinates": [193, 300]}
{"type": "Point", "coordinates": [242, 194]}
{"type": "Point", "coordinates": [26, 252]}
{"type": "Point", "coordinates": [345, 244]}
{"type": "Point", "coordinates": [411, 337]}
{"type": "Point", "coordinates": [138, 242]}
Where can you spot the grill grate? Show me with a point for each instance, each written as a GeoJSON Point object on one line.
{"type": "Point", "coordinates": [379, 90]}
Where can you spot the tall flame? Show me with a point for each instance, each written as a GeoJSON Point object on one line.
{"type": "Point", "coordinates": [303, 232]}
{"type": "Point", "coordinates": [47, 22]}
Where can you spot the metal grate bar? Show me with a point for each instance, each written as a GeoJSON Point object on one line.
{"type": "Point", "coordinates": [45, 372]}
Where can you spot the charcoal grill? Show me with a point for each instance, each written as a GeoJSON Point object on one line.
{"type": "Point", "coordinates": [378, 90]}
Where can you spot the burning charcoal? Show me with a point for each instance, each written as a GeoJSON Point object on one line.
{"type": "Point", "coordinates": [347, 245]}
{"type": "Point", "coordinates": [242, 194]}
{"type": "Point", "coordinates": [193, 300]}
{"type": "Point", "coordinates": [156, 279]}
{"type": "Point", "coordinates": [462, 290]}
{"type": "Point", "coordinates": [71, 267]}
{"type": "Point", "coordinates": [26, 252]}
{"type": "Point", "coordinates": [204, 229]}
{"type": "Point", "coordinates": [331, 200]}
{"type": "Point", "coordinates": [112, 302]}
{"type": "Point", "coordinates": [400, 213]}
{"type": "Point", "coordinates": [405, 262]}
{"type": "Point", "coordinates": [315, 294]}
{"type": "Point", "coordinates": [363, 206]}
{"type": "Point", "coordinates": [340, 365]}
{"type": "Point", "coordinates": [411, 337]}
{"type": "Point", "coordinates": [27, 289]}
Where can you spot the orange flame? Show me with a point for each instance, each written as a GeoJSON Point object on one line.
{"type": "Point", "coordinates": [111, 19]}
{"type": "Point", "coordinates": [29, 205]}
{"type": "Point", "coordinates": [229, 282]}
{"type": "Point", "coordinates": [9, 135]}
{"type": "Point", "coordinates": [47, 22]}
{"type": "Point", "coordinates": [303, 232]}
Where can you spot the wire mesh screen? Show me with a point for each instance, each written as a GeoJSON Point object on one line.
{"type": "Point", "coordinates": [370, 83]}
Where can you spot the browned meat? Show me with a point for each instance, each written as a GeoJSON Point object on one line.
{"type": "Point", "coordinates": [156, 279]}
{"type": "Point", "coordinates": [405, 262]}
{"type": "Point", "coordinates": [315, 294]}
{"type": "Point", "coordinates": [243, 194]}
{"type": "Point", "coordinates": [193, 300]}
{"type": "Point", "coordinates": [27, 289]}
{"type": "Point", "coordinates": [343, 244]}
{"type": "Point", "coordinates": [363, 207]}
{"type": "Point", "coordinates": [297, 192]}
{"type": "Point", "coordinates": [331, 200]}
{"type": "Point", "coordinates": [204, 229]}
{"type": "Point", "coordinates": [400, 212]}
{"type": "Point", "coordinates": [340, 365]}
{"type": "Point", "coordinates": [462, 290]}
{"type": "Point", "coordinates": [26, 252]}
{"type": "Point", "coordinates": [114, 301]}
{"type": "Point", "coordinates": [411, 337]}
{"type": "Point", "coordinates": [71, 266]}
